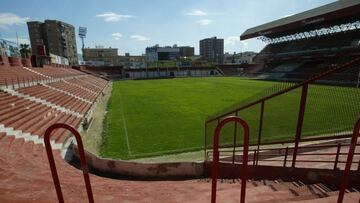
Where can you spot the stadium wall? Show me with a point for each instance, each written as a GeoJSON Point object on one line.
{"type": "Point", "coordinates": [170, 73]}
{"type": "Point", "coordinates": [142, 170]}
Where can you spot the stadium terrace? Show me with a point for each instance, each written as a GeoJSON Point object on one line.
{"type": "Point", "coordinates": [282, 128]}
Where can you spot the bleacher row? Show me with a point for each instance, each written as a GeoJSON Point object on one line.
{"type": "Point", "coordinates": [32, 99]}
{"type": "Point", "coordinates": [109, 72]}
{"type": "Point", "coordinates": [302, 59]}
{"type": "Point", "coordinates": [334, 42]}
{"type": "Point", "coordinates": [305, 69]}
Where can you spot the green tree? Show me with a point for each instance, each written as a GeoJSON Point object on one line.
{"type": "Point", "coordinates": [25, 50]}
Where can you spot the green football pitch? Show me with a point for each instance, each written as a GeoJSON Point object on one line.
{"type": "Point", "coordinates": [157, 117]}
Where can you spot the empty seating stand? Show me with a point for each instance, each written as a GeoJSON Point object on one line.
{"type": "Point", "coordinates": [26, 177]}
{"type": "Point", "coordinates": [20, 114]}
{"type": "Point", "coordinates": [75, 90]}
{"type": "Point", "coordinates": [56, 97]}
{"type": "Point", "coordinates": [13, 75]}
{"type": "Point", "coordinates": [43, 96]}
{"type": "Point", "coordinates": [24, 169]}
{"type": "Point", "coordinates": [56, 72]}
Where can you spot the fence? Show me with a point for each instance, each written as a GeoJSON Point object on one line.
{"type": "Point", "coordinates": [245, 157]}
{"type": "Point", "coordinates": [312, 110]}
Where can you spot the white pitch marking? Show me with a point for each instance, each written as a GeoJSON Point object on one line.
{"type": "Point", "coordinates": [125, 128]}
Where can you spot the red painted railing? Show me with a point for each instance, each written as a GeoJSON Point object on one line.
{"type": "Point", "coordinates": [282, 153]}
{"type": "Point", "coordinates": [214, 171]}
{"type": "Point", "coordinates": [300, 118]}
{"type": "Point", "coordinates": [350, 157]}
{"type": "Point", "coordinates": [83, 163]}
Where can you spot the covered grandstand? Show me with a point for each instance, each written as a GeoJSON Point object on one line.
{"type": "Point", "coordinates": [305, 44]}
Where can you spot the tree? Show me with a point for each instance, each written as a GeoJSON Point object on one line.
{"type": "Point", "coordinates": [25, 50]}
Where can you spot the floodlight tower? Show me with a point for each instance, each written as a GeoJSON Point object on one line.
{"type": "Point", "coordinates": [82, 35]}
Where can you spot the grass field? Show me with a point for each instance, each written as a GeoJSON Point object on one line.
{"type": "Point", "coordinates": [156, 117]}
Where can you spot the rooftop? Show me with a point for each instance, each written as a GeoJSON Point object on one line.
{"type": "Point", "coordinates": [329, 12]}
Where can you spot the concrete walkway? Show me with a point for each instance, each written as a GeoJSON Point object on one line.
{"type": "Point", "coordinates": [92, 137]}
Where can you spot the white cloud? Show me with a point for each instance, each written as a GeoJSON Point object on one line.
{"type": "Point", "coordinates": [235, 41]}
{"type": "Point", "coordinates": [232, 40]}
{"type": "Point", "coordinates": [244, 44]}
{"type": "Point", "coordinates": [8, 19]}
{"type": "Point", "coordinates": [113, 17]}
{"type": "Point", "coordinates": [116, 35]}
{"type": "Point", "coordinates": [196, 13]}
{"type": "Point", "coordinates": [139, 38]}
{"type": "Point", "coordinates": [204, 22]}
{"type": "Point", "coordinates": [20, 40]}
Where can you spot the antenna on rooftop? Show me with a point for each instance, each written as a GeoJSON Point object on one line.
{"type": "Point", "coordinates": [82, 35]}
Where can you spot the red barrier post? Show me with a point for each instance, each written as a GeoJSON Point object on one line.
{"type": "Point", "coordinates": [300, 121]}
{"type": "Point", "coordinates": [205, 140]}
{"type": "Point", "coordinates": [337, 156]}
{"type": "Point", "coordinates": [214, 168]}
{"type": "Point", "coordinates": [345, 178]}
{"type": "Point", "coordinates": [286, 154]}
{"type": "Point", "coordinates": [234, 141]}
{"type": "Point", "coordinates": [255, 157]}
{"type": "Point", "coordinates": [260, 129]}
{"type": "Point", "coordinates": [83, 163]}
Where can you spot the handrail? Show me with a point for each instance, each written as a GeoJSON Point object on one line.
{"type": "Point", "coordinates": [206, 152]}
{"type": "Point", "coordinates": [350, 157]}
{"type": "Point", "coordinates": [83, 163]}
{"type": "Point", "coordinates": [298, 134]}
{"type": "Point", "coordinates": [269, 154]}
{"type": "Point", "coordinates": [214, 171]}
{"type": "Point", "coordinates": [306, 139]}
{"type": "Point", "coordinates": [324, 74]}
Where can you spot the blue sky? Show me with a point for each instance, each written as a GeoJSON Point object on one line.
{"type": "Point", "coordinates": [132, 25]}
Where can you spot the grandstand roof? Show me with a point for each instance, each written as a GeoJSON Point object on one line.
{"type": "Point", "coordinates": [329, 12]}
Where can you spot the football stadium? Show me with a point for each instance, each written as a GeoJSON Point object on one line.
{"type": "Point", "coordinates": [284, 128]}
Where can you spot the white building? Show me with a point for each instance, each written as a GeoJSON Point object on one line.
{"type": "Point", "coordinates": [239, 58]}
{"type": "Point", "coordinates": [166, 53]}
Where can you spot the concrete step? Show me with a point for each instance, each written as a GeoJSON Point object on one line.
{"type": "Point", "coordinates": [67, 93]}
{"type": "Point", "coordinates": [352, 197]}
{"type": "Point", "coordinates": [41, 101]}
{"type": "Point", "coordinates": [18, 134]}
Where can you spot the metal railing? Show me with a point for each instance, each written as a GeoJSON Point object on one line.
{"type": "Point", "coordinates": [280, 155]}
{"type": "Point", "coordinates": [345, 178]}
{"type": "Point", "coordinates": [214, 169]}
{"type": "Point", "coordinates": [300, 117]}
{"type": "Point", "coordinates": [83, 163]}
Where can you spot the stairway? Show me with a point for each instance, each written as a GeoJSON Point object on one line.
{"type": "Point", "coordinates": [25, 177]}
{"type": "Point", "coordinates": [271, 191]}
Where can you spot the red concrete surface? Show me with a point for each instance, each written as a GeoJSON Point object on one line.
{"type": "Point", "coordinates": [13, 61]}
{"type": "Point", "coordinates": [25, 177]}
